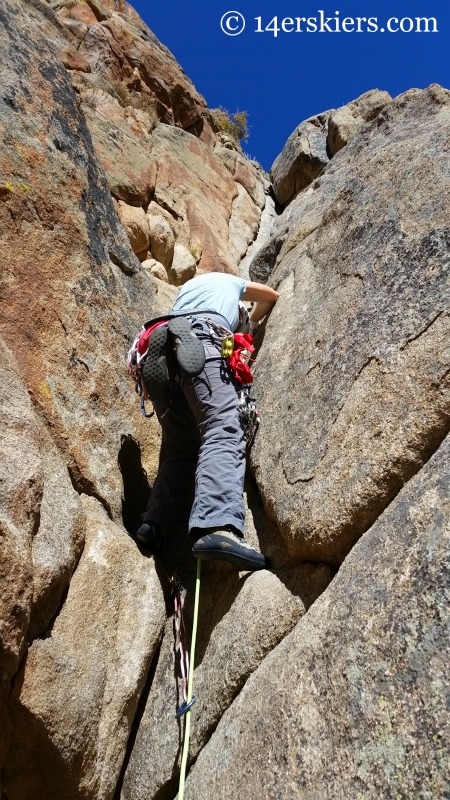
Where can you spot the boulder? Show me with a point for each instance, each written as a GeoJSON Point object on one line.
{"type": "Point", "coordinates": [352, 703]}
{"type": "Point", "coordinates": [355, 360]}
{"type": "Point", "coordinates": [183, 266]}
{"type": "Point", "coordinates": [345, 122]}
{"type": "Point", "coordinates": [135, 222]}
{"type": "Point", "coordinates": [302, 159]}
{"type": "Point", "coordinates": [162, 238]}
{"type": "Point", "coordinates": [155, 268]}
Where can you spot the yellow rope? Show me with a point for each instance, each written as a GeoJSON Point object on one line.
{"type": "Point", "coordinates": [187, 727]}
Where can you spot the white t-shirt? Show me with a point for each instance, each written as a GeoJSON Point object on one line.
{"type": "Point", "coordinates": [215, 291]}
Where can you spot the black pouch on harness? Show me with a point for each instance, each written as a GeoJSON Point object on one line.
{"type": "Point", "coordinates": [165, 348]}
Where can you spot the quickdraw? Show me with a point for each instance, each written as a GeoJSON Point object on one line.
{"type": "Point", "coordinates": [248, 414]}
{"type": "Point", "coordinates": [179, 596]}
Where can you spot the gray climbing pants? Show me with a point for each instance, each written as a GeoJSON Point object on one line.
{"type": "Point", "coordinates": [200, 479]}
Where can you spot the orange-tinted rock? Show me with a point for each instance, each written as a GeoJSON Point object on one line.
{"type": "Point", "coordinates": [72, 59]}
{"type": "Point", "coordinates": [83, 13]}
{"type": "Point", "coordinates": [184, 161]}
{"type": "Point", "coordinates": [135, 222]}
{"type": "Point", "coordinates": [121, 45]}
{"type": "Point", "coordinates": [125, 153]}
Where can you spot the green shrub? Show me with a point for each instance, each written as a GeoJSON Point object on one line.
{"type": "Point", "coordinates": [234, 124]}
{"type": "Point", "coordinates": [121, 93]}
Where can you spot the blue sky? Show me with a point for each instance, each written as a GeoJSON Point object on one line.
{"type": "Point", "coordinates": [281, 80]}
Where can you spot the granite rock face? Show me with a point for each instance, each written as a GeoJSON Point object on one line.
{"type": "Point", "coordinates": [302, 159]}
{"type": "Point", "coordinates": [302, 689]}
{"type": "Point", "coordinates": [155, 139]}
{"type": "Point", "coordinates": [347, 121]}
{"type": "Point", "coordinates": [315, 141]}
{"type": "Point", "coordinates": [242, 616]}
{"type": "Point", "coordinates": [73, 295]}
{"type": "Point", "coordinates": [358, 397]}
{"type": "Point", "coordinates": [123, 51]}
{"type": "Point", "coordinates": [75, 698]}
{"type": "Point", "coordinates": [353, 702]}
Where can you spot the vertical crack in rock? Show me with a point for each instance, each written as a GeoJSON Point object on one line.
{"type": "Point", "coordinates": [48, 631]}
{"type": "Point", "coordinates": [84, 485]}
{"type": "Point", "coordinates": [422, 331]}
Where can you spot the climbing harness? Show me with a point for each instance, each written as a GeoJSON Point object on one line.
{"type": "Point", "coordinates": [236, 350]}
{"type": "Point", "coordinates": [139, 351]}
{"type": "Point", "coordinates": [186, 712]}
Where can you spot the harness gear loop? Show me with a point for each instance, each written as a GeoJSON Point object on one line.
{"type": "Point", "coordinates": [187, 727]}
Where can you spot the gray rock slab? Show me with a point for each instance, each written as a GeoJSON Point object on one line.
{"type": "Point", "coordinates": [352, 377]}
{"type": "Point", "coordinates": [302, 159]}
{"type": "Point", "coordinates": [353, 703]}
{"type": "Point", "coordinates": [345, 122]}
{"type": "Point", "coordinates": [242, 617]}
{"type": "Point", "coordinates": [266, 223]}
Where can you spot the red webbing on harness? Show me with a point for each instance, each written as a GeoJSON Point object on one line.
{"type": "Point", "coordinates": [240, 358]}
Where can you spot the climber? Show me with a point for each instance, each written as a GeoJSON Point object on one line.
{"type": "Point", "coordinates": [202, 469]}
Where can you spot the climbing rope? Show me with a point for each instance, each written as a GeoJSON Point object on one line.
{"type": "Point", "coordinates": [187, 714]}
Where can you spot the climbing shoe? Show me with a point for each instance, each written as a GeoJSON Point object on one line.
{"type": "Point", "coordinates": [155, 373]}
{"type": "Point", "coordinates": [189, 350]}
{"type": "Point", "coordinates": [150, 536]}
{"type": "Point", "coordinates": [225, 545]}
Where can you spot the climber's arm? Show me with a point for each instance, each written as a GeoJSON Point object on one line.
{"type": "Point", "coordinates": [264, 298]}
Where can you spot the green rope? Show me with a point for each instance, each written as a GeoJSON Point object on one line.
{"type": "Point", "coordinates": [187, 727]}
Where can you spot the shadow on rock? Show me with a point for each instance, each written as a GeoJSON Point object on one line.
{"type": "Point", "coordinates": [136, 488]}
{"type": "Point", "coordinates": [35, 766]}
{"type": "Point", "coordinates": [305, 580]}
